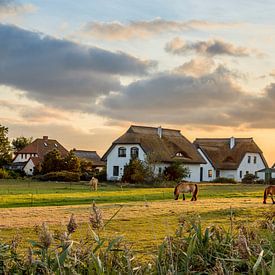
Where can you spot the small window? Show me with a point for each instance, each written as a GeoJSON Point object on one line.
{"type": "Point", "coordinates": [241, 174]}
{"type": "Point", "coordinates": [255, 160]}
{"type": "Point", "coordinates": [122, 152]}
{"type": "Point", "coordinates": [179, 154]}
{"type": "Point", "coordinates": [247, 172]}
{"type": "Point", "coordinates": [55, 145]}
{"type": "Point", "coordinates": [134, 152]}
{"type": "Point", "coordinates": [45, 143]}
{"type": "Point", "coordinates": [160, 170]}
{"type": "Point", "coordinates": [30, 169]}
{"type": "Point", "coordinates": [115, 171]}
{"type": "Point", "coordinates": [210, 173]}
{"type": "Point", "coordinates": [249, 159]}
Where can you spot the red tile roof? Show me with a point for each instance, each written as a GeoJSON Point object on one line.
{"type": "Point", "coordinates": [42, 146]}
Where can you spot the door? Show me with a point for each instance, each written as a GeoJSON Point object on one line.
{"type": "Point", "coordinates": [201, 174]}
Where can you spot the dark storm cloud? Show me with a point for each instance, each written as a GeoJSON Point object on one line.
{"type": "Point", "coordinates": [59, 72]}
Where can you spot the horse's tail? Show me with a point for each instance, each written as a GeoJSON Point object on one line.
{"type": "Point", "coordinates": [265, 195]}
{"type": "Point", "coordinates": [196, 191]}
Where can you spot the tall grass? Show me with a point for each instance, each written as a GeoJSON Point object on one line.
{"type": "Point", "coordinates": [192, 250]}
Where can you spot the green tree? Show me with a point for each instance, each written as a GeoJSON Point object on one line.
{"type": "Point", "coordinates": [52, 162]}
{"type": "Point", "coordinates": [135, 171]}
{"type": "Point", "coordinates": [5, 148]}
{"type": "Point", "coordinates": [176, 171]}
{"type": "Point", "coordinates": [20, 142]}
{"type": "Point", "coordinates": [86, 166]}
{"type": "Point", "coordinates": [71, 162]}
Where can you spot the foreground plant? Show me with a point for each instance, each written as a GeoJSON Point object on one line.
{"type": "Point", "coordinates": [193, 250]}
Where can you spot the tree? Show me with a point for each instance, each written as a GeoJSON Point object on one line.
{"type": "Point", "coordinates": [5, 148]}
{"type": "Point", "coordinates": [52, 162]}
{"type": "Point", "coordinates": [176, 171]}
{"type": "Point", "coordinates": [71, 162]}
{"type": "Point", "coordinates": [20, 142]}
{"type": "Point", "coordinates": [135, 172]}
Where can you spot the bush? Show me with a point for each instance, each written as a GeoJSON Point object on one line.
{"type": "Point", "coordinates": [60, 176]}
{"type": "Point", "coordinates": [135, 172]}
{"type": "Point", "coordinates": [176, 172]}
{"type": "Point", "coordinates": [224, 180]}
{"type": "Point", "coordinates": [4, 174]}
{"type": "Point", "coordinates": [249, 178]}
{"type": "Point", "coordinates": [260, 181]}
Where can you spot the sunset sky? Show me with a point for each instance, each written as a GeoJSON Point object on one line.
{"type": "Point", "coordinates": [83, 71]}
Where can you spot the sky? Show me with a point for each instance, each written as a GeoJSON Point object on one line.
{"type": "Point", "coordinates": [83, 71]}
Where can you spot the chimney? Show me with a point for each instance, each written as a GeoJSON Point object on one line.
{"type": "Point", "coordinates": [160, 132]}
{"type": "Point", "coordinates": [232, 142]}
{"type": "Point", "coordinates": [45, 137]}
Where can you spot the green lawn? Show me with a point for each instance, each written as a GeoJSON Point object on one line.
{"type": "Point", "coordinates": [25, 193]}
{"type": "Point", "coordinates": [146, 217]}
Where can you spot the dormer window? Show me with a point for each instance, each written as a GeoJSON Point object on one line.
{"type": "Point", "coordinates": [122, 152]}
{"type": "Point", "coordinates": [55, 145]}
{"type": "Point", "coordinates": [134, 152]}
{"type": "Point", "coordinates": [182, 155]}
{"type": "Point", "coordinates": [45, 143]}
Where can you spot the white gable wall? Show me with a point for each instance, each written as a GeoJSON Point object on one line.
{"type": "Point", "coordinates": [230, 174]}
{"type": "Point", "coordinates": [207, 167]}
{"type": "Point", "coordinates": [28, 169]}
{"type": "Point", "coordinates": [114, 160]}
{"type": "Point", "coordinates": [194, 170]}
{"type": "Point", "coordinates": [251, 167]}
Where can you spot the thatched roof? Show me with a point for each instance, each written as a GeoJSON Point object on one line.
{"type": "Point", "coordinates": [164, 148]}
{"type": "Point", "coordinates": [222, 157]}
{"type": "Point", "coordinates": [42, 146]}
{"type": "Point", "coordinates": [90, 156]}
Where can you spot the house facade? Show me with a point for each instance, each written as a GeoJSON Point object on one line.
{"type": "Point", "coordinates": [229, 158]}
{"type": "Point", "coordinates": [167, 145]}
{"type": "Point", "coordinates": [27, 158]}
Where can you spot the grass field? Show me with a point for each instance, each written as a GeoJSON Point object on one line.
{"type": "Point", "coordinates": [147, 215]}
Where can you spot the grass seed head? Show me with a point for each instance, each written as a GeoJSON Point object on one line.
{"type": "Point", "coordinates": [45, 236]}
{"type": "Point", "coordinates": [96, 217]}
{"type": "Point", "coordinates": [72, 225]}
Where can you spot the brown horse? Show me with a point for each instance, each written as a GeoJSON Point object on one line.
{"type": "Point", "coordinates": [270, 190]}
{"type": "Point", "coordinates": [184, 187]}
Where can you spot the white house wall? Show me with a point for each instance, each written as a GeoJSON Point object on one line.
{"type": "Point", "coordinates": [230, 174]}
{"type": "Point", "coordinates": [194, 175]}
{"type": "Point", "coordinates": [207, 167]}
{"type": "Point", "coordinates": [28, 169]}
{"type": "Point", "coordinates": [251, 167]}
{"type": "Point", "coordinates": [114, 160]}
{"type": "Point", "coordinates": [23, 157]}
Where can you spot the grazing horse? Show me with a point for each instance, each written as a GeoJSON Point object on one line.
{"type": "Point", "coordinates": [270, 190]}
{"type": "Point", "coordinates": [184, 187]}
{"type": "Point", "coordinates": [93, 183]}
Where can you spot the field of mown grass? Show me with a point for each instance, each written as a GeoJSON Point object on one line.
{"type": "Point", "coordinates": [147, 215]}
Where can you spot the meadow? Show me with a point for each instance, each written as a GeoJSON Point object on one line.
{"type": "Point", "coordinates": [145, 217]}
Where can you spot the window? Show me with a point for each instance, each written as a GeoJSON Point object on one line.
{"type": "Point", "coordinates": [55, 145]}
{"type": "Point", "coordinates": [122, 152]}
{"type": "Point", "coordinates": [247, 172]}
{"type": "Point", "coordinates": [134, 152]}
{"type": "Point", "coordinates": [255, 160]}
{"type": "Point", "coordinates": [45, 143]}
{"type": "Point", "coordinates": [30, 169]}
{"type": "Point", "coordinates": [249, 159]}
{"type": "Point", "coordinates": [160, 170]}
{"type": "Point", "coordinates": [115, 171]}
{"type": "Point", "coordinates": [218, 173]}
{"type": "Point", "coordinates": [241, 174]}
{"type": "Point", "coordinates": [210, 173]}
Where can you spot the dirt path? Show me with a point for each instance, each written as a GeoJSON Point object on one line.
{"type": "Point", "coordinates": [31, 216]}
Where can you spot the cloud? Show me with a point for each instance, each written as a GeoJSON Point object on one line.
{"type": "Point", "coordinates": [11, 8]}
{"type": "Point", "coordinates": [196, 67]}
{"type": "Point", "coordinates": [59, 72]}
{"type": "Point", "coordinates": [209, 48]}
{"type": "Point", "coordinates": [145, 29]}
{"type": "Point", "coordinates": [213, 99]}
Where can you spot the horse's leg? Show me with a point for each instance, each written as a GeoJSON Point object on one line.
{"type": "Point", "coordinates": [183, 197]}
{"type": "Point", "coordinates": [272, 199]}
